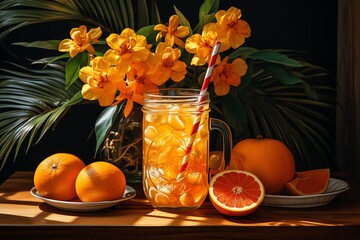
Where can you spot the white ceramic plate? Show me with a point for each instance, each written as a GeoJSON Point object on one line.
{"type": "Point", "coordinates": [78, 206]}
{"type": "Point", "coordinates": [335, 187]}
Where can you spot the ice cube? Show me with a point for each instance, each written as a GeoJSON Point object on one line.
{"type": "Point", "coordinates": [161, 198]}
{"type": "Point", "coordinates": [150, 132]}
{"type": "Point", "coordinates": [187, 200]}
{"type": "Point", "coordinates": [175, 122]}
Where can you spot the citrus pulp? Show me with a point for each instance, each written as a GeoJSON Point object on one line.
{"type": "Point", "coordinates": [309, 182]}
{"type": "Point", "coordinates": [236, 192]}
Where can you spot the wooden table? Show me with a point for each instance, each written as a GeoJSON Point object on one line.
{"type": "Point", "coordinates": [23, 216]}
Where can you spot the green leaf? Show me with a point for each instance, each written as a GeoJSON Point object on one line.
{"type": "Point", "coordinates": [77, 98]}
{"type": "Point", "coordinates": [234, 111]}
{"type": "Point", "coordinates": [206, 13]}
{"type": "Point", "coordinates": [148, 32]}
{"type": "Point", "coordinates": [208, 7]}
{"type": "Point", "coordinates": [183, 20]}
{"type": "Point", "coordinates": [281, 74]}
{"type": "Point", "coordinates": [104, 123]}
{"type": "Point", "coordinates": [208, 18]}
{"type": "Point", "coordinates": [275, 57]}
{"type": "Point", "coordinates": [246, 79]}
{"type": "Point", "coordinates": [73, 66]}
{"type": "Point", "coordinates": [49, 60]}
{"type": "Point", "coordinates": [243, 52]}
{"type": "Point", "coordinates": [49, 44]}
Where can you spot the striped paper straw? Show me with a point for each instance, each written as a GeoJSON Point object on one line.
{"type": "Point", "coordinates": [201, 98]}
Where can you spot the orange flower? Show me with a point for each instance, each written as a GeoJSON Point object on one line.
{"type": "Point", "coordinates": [173, 32]}
{"type": "Point", "coordinates": [202, 45]}
{"type": "Point", "coordinates": [226, 74]}
{"type": "Point", "coordinates": [80, 40]}
{"type": "Point", "coordinates": [231, 28]}
{"type": "Point", "coordinates": [126, 48]}
{"type": "Point", "coordinates": [164, 64]}
{"type": "Point", "coordinates": [101, 81]}
{"type": "Point", "coordinates": [128, 93]}
{"type": "Point", "coordinates": [137, 73]}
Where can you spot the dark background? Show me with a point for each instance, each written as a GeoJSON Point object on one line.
{"type": "Point", "coordinates": [308, 26]}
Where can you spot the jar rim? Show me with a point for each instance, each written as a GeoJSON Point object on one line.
{"type": "Point", "coordinates": [169, 97]}
{"type": "Point", "coordinates": [174, 93]}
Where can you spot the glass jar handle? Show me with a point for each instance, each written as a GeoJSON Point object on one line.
{"type": "Point", "coordinates": [216, 124]}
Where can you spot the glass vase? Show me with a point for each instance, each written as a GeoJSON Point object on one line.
{"type": "Point", "coordinates": [123, 145]}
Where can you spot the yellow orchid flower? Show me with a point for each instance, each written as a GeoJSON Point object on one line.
{"type": "Point", "coordinates": [226, 74]}
{"type": "Point", "coordinates": [101, 81]}
{"type": "Point", "coordinates": [80, 40]}
{"type": "Point", "coordinates": [164, 64]}
{"type": "Point", "coordinates": [231, 28]}
{"type": "Point", "coordinates": [173, 32]}
{"type": "Point", "coordinates": [128, 92]}
{"type": "Point", "coordinates": [202, 45]}
{"type": "Point", "coordinates": [138, 73]}
{"type": "Point", "coordinates": [126, 48]}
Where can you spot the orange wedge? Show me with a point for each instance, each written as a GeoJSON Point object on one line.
{"type": "Point", "coordinates": [309, 182]}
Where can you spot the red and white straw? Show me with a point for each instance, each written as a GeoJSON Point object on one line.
{"type": "Point", "coordinates": [201, 98]}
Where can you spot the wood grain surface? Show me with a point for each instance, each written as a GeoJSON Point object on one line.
{"type": "Point", "coordinates": [23, 216]}
{"type": "Point", "coordinates": [348, 89]}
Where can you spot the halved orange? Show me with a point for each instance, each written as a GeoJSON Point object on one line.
{"type": "Point", "coordinates": [309, 182]}
{"type": "Point", "coordinates": [236, 192]}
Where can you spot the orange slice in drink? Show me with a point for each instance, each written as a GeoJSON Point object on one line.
{"type": "Point", "coordinates": [236, 192]}
{"type": "Point", "coordinates": [309, 182]}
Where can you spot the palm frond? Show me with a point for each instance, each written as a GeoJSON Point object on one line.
{"type": "Point", "coordinates": [31, 102]}
{"type": "Point", "coordinates": [280, 97]}
{"type": "Point", "coordinates": [289, 114]}
{"type": "Point", "coordinates": [110, 15]}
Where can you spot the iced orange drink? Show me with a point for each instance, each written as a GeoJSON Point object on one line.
{"type": "Point", "coordinates": [172, 178]}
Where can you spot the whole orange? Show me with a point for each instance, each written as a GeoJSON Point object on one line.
{"type": "Point", "coordinates": [269, 159]}
{"type": "Point", "coordinates": [55, 176]}
{"type": "Point", "coordinates": [100, 181]}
